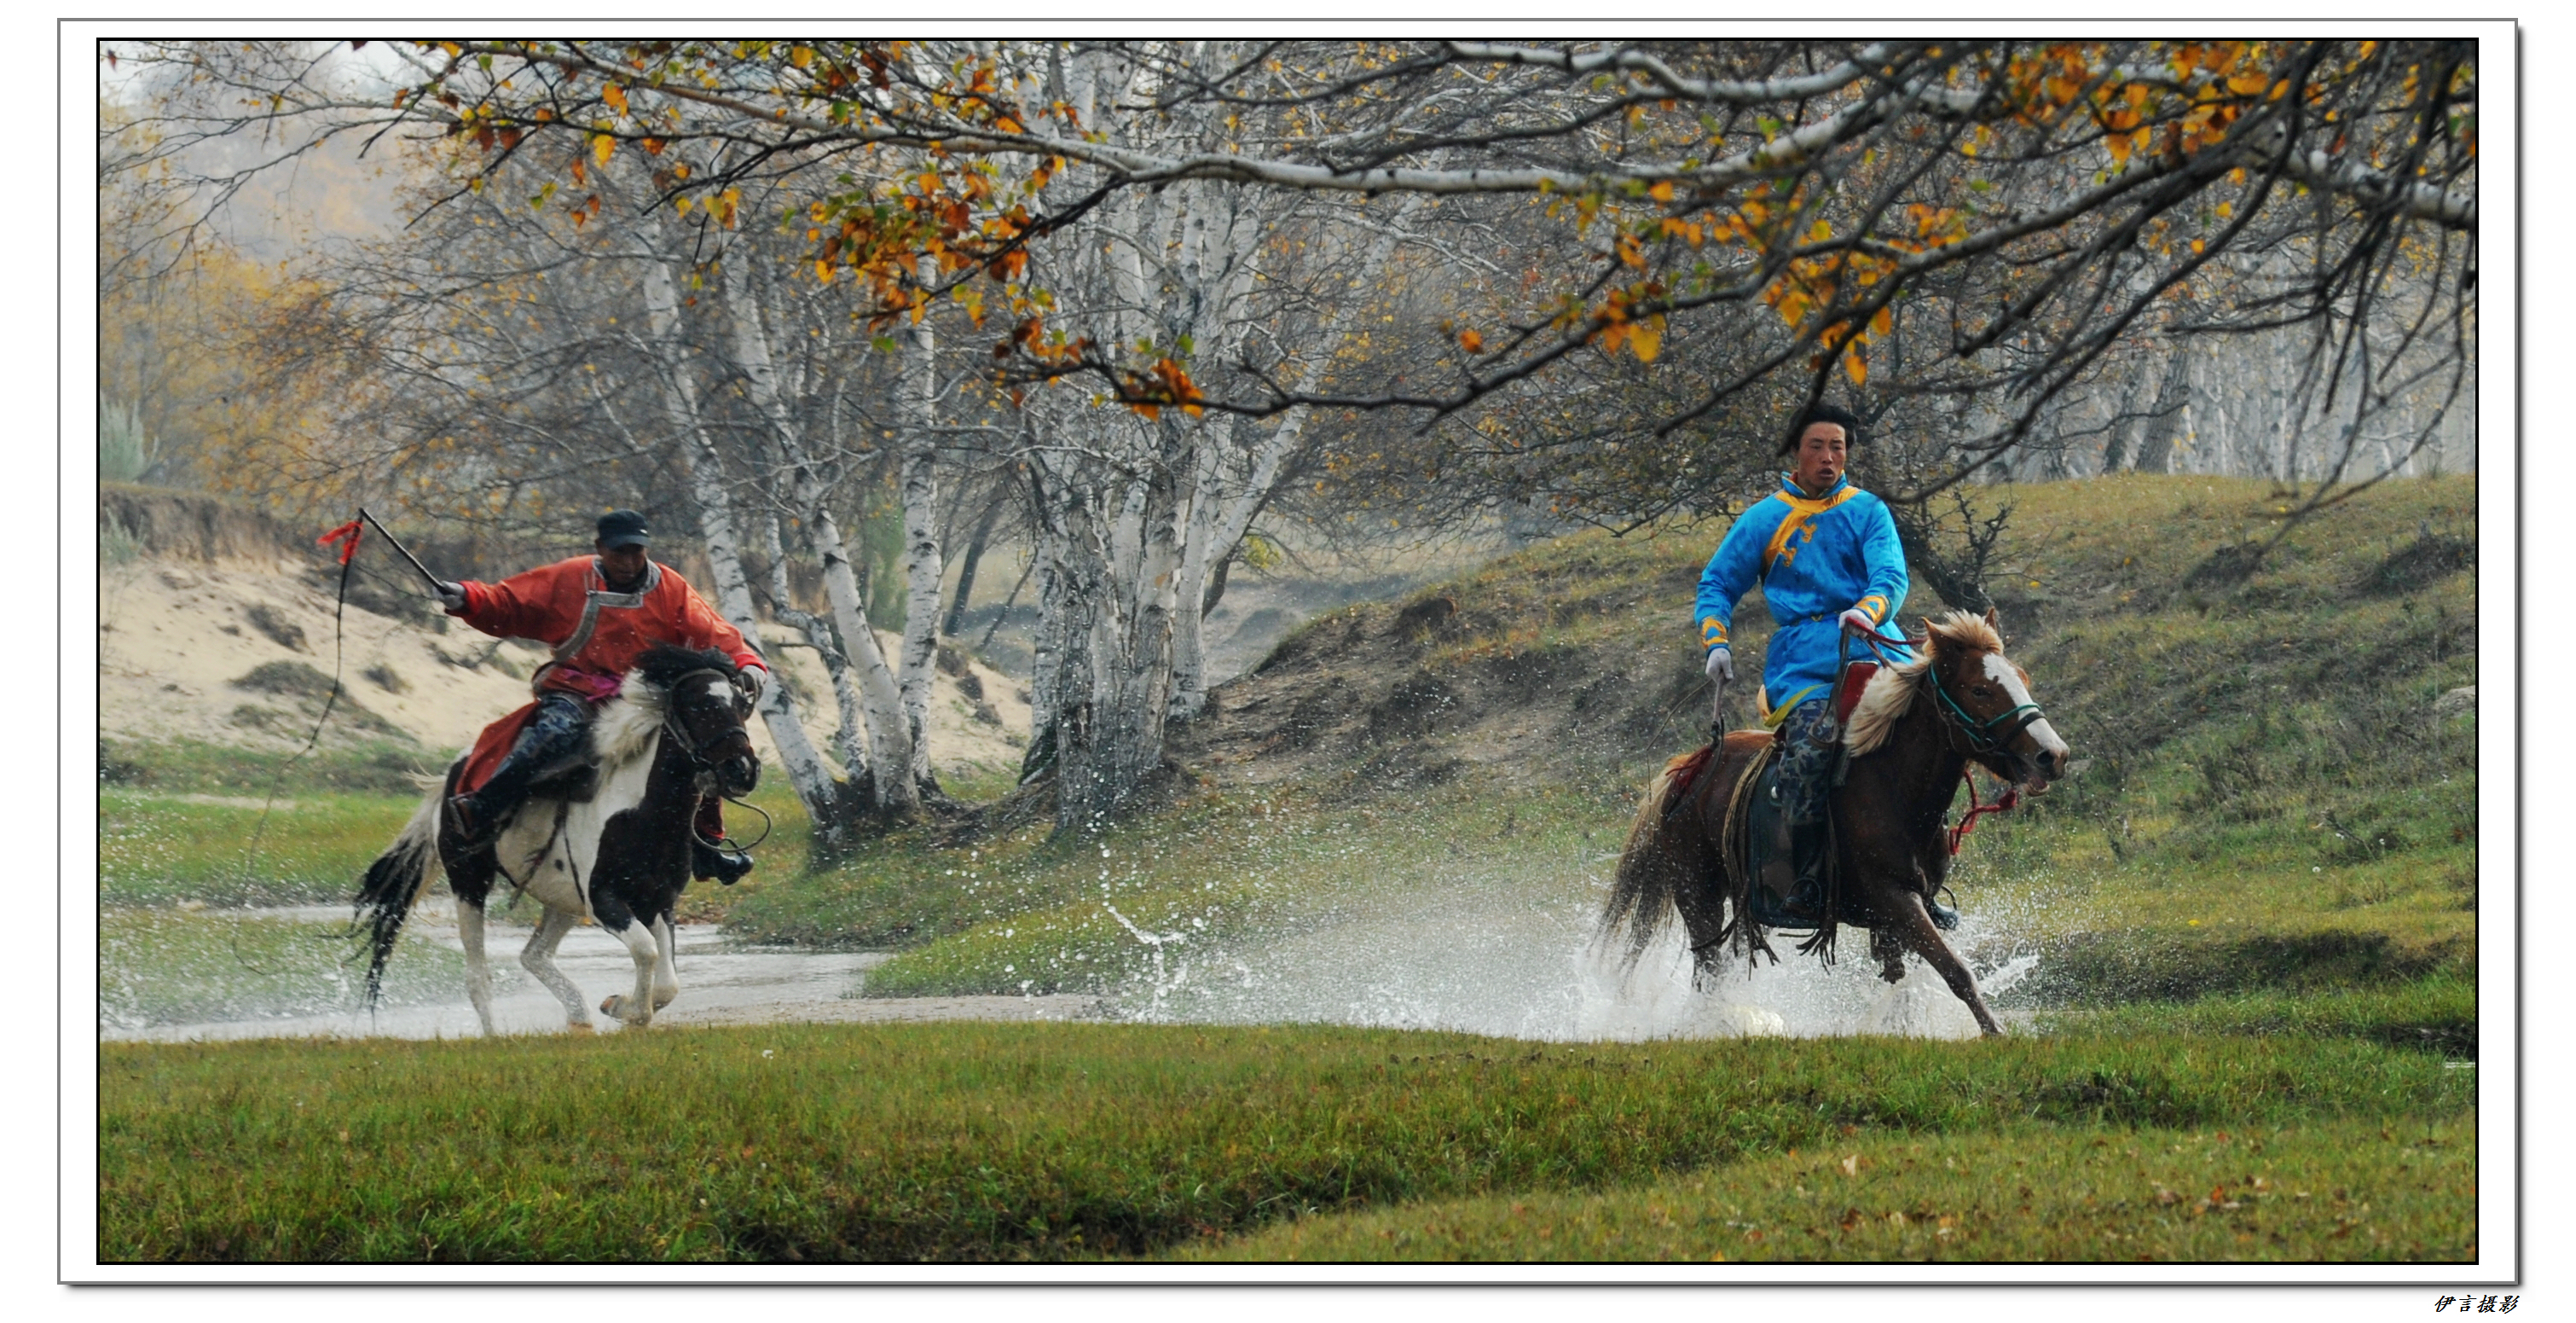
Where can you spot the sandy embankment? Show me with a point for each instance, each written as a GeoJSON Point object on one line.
{"type": "Point", "coordinates": [175, 638]}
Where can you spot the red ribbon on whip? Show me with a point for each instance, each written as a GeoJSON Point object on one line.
{"type": "Point", "coordinates": [345, 537]}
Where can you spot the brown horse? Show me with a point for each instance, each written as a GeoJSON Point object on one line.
{"type": "Point", "coordinates": [1913, 733]}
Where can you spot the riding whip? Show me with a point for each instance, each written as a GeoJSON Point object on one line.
{"type": "Point", "coordinates": [368, 515]}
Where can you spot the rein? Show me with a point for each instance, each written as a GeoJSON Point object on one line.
{"type": "Point", "coordinates": [2011, 799]}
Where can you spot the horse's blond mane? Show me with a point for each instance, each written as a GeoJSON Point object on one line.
{"type": "Point", "coordinates": [1891, 691]}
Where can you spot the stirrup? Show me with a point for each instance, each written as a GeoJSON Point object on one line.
{"type": "Point", "coordinates": [725, 866]}
{"type": "Point", "coordinates": [1943, 917]}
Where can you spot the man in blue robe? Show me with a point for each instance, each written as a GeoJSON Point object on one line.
{"type": "Point", "coordinates": [1829, 562]}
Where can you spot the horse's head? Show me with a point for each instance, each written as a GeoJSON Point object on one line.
{"type": "Point", "coordinates": [1986, 700]}
{"type": "Point", "coordinates": [703, 711]}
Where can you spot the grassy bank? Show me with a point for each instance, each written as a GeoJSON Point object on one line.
{"type": "Point", "coordinates": [2272, 797]}
{"type": "Point", "coordinates": [162, 846]}
{"type": "Point", "coordinates": [2336, 1191]}
{"type": "Point", "coordinates": [1004, 1142]}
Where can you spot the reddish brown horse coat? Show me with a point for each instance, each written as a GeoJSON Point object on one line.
{"type": "Point", "coordinates": [1909, 752]}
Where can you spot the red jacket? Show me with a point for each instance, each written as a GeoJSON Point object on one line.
{"type": "Point", "coordinates": [552, 602]}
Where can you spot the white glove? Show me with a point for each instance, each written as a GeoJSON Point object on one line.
{"type": "Point", "coordinates": [452, 595]}
{"type": "Point", "coordinates": [1721, 665]}
{"type": "Point", "coordinates": [753, 681]}
{"type": "Point", "coordinates": [1857, 621]}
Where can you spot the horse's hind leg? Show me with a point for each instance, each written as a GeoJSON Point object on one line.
{"type": "Point", "coordinates": [637, 1010]}
{"type": "Point", "coordinates": [539, 959]}
{"type": "Point", "coordinates": [478, 970]}
{"type": "Point", "coordinates": [1915, 927]}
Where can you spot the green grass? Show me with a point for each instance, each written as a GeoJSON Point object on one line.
{"type": "Point", "coordinates": [1006, 1142]}
{"type": "Point", "coordinates": [2336, 1191]}
{"type": "Point", "coordinates": [160, 849]}
{"type": "Point", "coordinates": [195, 767]}
{"type": "Point", "coordinates": [161, 846]}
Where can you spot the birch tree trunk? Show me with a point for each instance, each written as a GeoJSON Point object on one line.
{"type": "Point", "coordinates": [916, 397]}
{"type": "Point", "coordinates": [889, 734]}
{"type": "Point", "coordinates": [806, 772]}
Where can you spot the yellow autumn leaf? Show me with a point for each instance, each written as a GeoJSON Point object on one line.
{"type": "Point", "coordinates": [1471, 342]}
{"type": "Point", "coordinates": [2119, 145]}
{"type": "Point", "coordinates": [602, 147]}
{"type": "Point", "coordinates": [1881, 322]}
{"type": "Point", "coordinates": [1646, 339]}
{"type": "Point", "coordinates": [1661, 191]}
{"type": "Point", "coordinates": [1856, 369]}
{"type": "Point", "coordinates": [615, 96]}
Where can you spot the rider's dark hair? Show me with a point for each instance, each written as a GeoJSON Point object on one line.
{"type": "Point", "coordinates": [1822, 413]}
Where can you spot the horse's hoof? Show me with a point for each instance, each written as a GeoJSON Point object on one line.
{"type": "Point", "coordinates": [579, 1027]}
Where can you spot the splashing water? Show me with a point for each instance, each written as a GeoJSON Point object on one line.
{"type": "Point", "coordinates": [1496, 955]}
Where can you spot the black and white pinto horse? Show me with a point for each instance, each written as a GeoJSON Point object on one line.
{"type": "Point", "coordinates": [606, 839]}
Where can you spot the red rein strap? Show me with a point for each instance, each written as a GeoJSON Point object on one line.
{"type": "Point", "coordinates": [345, 537]}
{"type": "Point", "coordinates": [2012, 798]}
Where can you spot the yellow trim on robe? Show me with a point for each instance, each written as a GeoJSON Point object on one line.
{"type": "Point", "coordinates": [1876, 606]}
{"type": "Point", "coordinates": [1800, 511]}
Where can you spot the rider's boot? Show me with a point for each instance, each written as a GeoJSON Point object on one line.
{"type": "Point", "coordinates": [725, 866]}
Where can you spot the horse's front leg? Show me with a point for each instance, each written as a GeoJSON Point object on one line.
{"type": "Point", "coordinates": [637, 1011]}
{"type": "Point", "coordinates": [1889, 952]}
{"type": "Point", "coordinates": [478, 971]}
{"type": "Point", "coordinates": [1914, 926]}
{"type": "Point", "coordinates": [666, 976]}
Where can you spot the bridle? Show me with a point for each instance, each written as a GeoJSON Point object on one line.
{"type": "Point", "coordinates": [679, 733]}
{"type": "Point", "coordinates": [699, 764]}
{"type": "Point", "coordinates": [1982, 736]}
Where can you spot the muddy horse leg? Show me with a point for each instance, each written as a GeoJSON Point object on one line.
{"type": "Point", "coordinates": [1914, 925]}
{"type": "Point", "coordinates": [539, 959]}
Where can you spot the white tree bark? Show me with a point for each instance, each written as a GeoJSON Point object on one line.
{"type": "Point", "coordinates": [889, 734]}
{"type": "Point", "coordinates": [915, 405]}
{"type": "Point", "coordinates": [804, 765]}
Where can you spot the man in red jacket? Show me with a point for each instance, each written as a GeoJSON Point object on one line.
{"type": "Point", "coordinates": [601, 613]}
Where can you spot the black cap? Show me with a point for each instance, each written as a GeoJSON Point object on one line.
{"type": "Point", "coordinates": [623, 528]}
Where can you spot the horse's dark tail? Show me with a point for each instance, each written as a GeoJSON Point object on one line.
{"type": "Point", "coordinates": [394, 881]}
{"type": "Point", "coordinates": [1644, 893]}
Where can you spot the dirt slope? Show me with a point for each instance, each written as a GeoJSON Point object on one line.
{"type": "Point", "coordinates": [237, 650]}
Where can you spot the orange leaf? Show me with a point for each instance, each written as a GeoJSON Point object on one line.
{"type": "Point", "coordinates": [602, 147]}
{"type": "Point", "coordinates": [615, 96]}
{"type": "Point", "coordinates": [1646, 339]}
{"type": "Point", "coordinates": [1855, 368]}
{"type": "Point", "coordinates": [1471, 342]}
